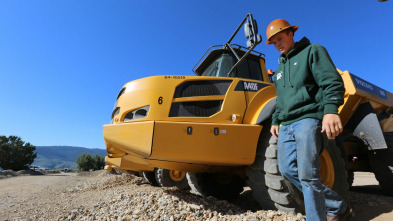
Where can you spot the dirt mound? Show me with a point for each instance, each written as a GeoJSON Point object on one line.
{"type": "Point", "coordinates": [135, 199]}
{"type": "Point", "coordinates": [46, 172]}
{"type": "Point", "coordinates": [168, 204]}
{"type": "Point", "coordinates": [120, 180]}
{"type": "Point", "coordinates": [7, 173]}
{"type": "Point", "coordinates": [93, 173]}
{"type": "Point", "coordinates": [28, 172]}
{"type": "Point", "coordinates": [11, 173]}
{"type": "Point", "coordinates": [105, 181]}
{"type": "Point", "coordinates": [111, 181]}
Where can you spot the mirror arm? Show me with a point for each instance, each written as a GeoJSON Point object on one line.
{"type": "Point", "coordinates": [227, 45]}
{"type": "Point", "coordinates": [214, 46]}
{"type": "Point", "coordinates": [252, 37]}
{"type": "Point", "coordinates": [238, 28]}
{"type": "Point", "coordinates": [239, 61]}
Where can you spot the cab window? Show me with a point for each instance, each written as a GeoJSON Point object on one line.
{"type": "Point", "coordinates": [249, 68]}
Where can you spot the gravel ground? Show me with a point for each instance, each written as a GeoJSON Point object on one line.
{"type": "Point", "coordinates": [102, 196]}
{"type": "Point", "coordinates": [165, 204]}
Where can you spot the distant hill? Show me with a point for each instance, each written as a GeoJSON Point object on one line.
{"type": "Point", "coordinates": [56, 157]}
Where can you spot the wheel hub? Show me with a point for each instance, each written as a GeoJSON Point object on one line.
{"type": "Point", "coordinates": [327, 169]}
{"type": "Point", "coordinates": [177, 175]}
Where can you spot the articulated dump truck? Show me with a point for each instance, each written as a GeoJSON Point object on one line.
{"type": "Point", "coordinates": [214, 128]}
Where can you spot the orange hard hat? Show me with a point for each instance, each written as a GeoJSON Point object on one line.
{"type": "Point", "coordinates": [277, 26]}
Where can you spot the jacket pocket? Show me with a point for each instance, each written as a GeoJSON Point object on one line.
{"type": "Point", "coordinates": [305, 96]}
{"type": "Point", "coordinates": [302, 96]}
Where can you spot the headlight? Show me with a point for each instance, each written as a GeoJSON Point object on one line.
{"type": "Point", "coordinates": [137, 114]}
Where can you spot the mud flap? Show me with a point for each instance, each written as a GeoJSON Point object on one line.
{"type": "Point", "coordinates": [365, 126]}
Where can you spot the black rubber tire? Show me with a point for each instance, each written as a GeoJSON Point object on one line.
{"type": "Point", "coordinates": [150, 177]}
{"type": "Point", "coordinates": [164, 179]}
{"type": "Point", "coordinates": [272, 191]}
{"type": "Point", "coordinates": [224, 186]}
{"type": "Point", "coordinates": [381, 162]}
{"type": "Point", "coordinates": [351, 178]}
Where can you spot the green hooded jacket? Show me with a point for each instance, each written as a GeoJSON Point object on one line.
{"type": "Point", "coordinates": [308, 84]}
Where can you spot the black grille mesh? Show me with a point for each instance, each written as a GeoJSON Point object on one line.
{"type": "Point", "coordinates": [202, 88]}
{"type": "Point", "coordinates": [195, 108]}
{"type": "Point", "coordinates": [199, 88]}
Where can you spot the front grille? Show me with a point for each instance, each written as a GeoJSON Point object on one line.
{"type": "Point", "coordinates": [199, 107]}
{"type": "Point", "coordinates": [202, 88]}
{"type": "Point", "coordinates": [195, 108]}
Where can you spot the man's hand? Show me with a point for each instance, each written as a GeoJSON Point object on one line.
{"type": "Point", "coordinates": [331, 124]}
{"type": "Point", "coordinates": [274, 131]}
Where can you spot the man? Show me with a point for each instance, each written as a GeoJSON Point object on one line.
{"type": "Point", "coordinates": [309, 93]}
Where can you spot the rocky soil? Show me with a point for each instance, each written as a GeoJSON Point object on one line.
{"type": "Point", "coordinates": [11, 173]}
{"type": "Point", "coordinates": [102, 196]}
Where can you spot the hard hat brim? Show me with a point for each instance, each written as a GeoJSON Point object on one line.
{"type": "Point", "coordinates": [293, 27]}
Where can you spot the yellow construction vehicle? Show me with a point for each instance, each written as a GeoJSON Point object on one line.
{"type": "Point", "coordinates": [215, 126]}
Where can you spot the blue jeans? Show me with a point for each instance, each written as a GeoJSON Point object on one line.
{"type": "Point", "coordinates": [298, 148]}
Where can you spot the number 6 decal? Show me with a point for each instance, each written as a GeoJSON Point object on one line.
{"type": "Point", "coordinates": [160, 100]}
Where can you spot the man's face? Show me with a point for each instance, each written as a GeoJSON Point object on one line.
{"type": "Point", "coordinates": [283, 42]}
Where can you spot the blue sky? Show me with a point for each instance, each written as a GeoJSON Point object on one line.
{"type": "Point", "coordinates": [63, 62]}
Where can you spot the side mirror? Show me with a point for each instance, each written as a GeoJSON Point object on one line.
{"type": "Point", "coordinates": [256, 40]}
{"type": "Point", "coordinates": [251, 33]}
{"type": "Point", "coordinates": [250, 28]}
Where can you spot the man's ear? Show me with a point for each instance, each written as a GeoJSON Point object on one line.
{"type": "Point", "coordinates": [290, 33]}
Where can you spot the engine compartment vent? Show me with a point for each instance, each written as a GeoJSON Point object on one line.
{"type": "Point", "coordinates": [202, 88]}
{"type": "Point", "coordinates": [195, 108]}
{"type": "Point", "coordinates": [199, 107]}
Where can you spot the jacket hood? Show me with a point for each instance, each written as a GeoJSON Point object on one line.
{"type": "Point", "coordinates": [299, 46]}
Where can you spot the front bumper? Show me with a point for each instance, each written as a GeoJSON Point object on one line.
{"type": "Point", "coordinates": [184, 142]}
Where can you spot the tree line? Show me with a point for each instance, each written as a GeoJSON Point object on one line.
{"type": "Point", "coordinates": [15, 154]}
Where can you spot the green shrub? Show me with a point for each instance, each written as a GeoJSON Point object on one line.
{"type": "Point", "coordinates": [87, 162]}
